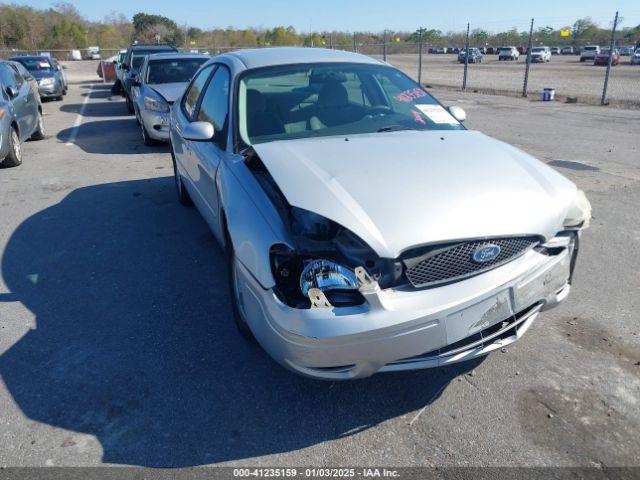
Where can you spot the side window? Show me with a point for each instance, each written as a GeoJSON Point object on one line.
{"type": "Point", "coordinates": [191, 98]}
{"type": "Point", "coordinates": [7, 78]}
{"type": "Point", "coordinates": [215, 105]}
{"type": "Point", "coordinates": [16, 76]}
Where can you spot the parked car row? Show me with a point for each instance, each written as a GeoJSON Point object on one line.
{"type": "Point", "coordinates": [151, 78]}
{"type": "Point", "coordinates": [20, 112]}
{"type": "Point", "coordinates": [284, 152]}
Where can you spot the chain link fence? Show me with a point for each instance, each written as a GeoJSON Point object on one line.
{"type": "Point", "coordinates": [615, 82]}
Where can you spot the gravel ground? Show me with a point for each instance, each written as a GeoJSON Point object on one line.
{"type": "Point", "coordinates": [565, 73]}
{"type": "Point", "coordinates": [117, 344]}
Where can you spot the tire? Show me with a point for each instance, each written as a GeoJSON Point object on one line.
{"type": "Point", "coordinates": [39, 134]}
{"type": "Point", "coordinates": [183, 196]}
{"type": "Point", "coordinates": [234, 295]}
{"type": "Point", "coordinates": [129, 104]}
{"type": "Point", "coordinates": [14, 157]}
{"type": "Point", "coordinates": [148, 141]}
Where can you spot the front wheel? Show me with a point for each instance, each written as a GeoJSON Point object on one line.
{"type": "Point", "coordinates": [39, 132]}
{"type": "Point", "coordinates": [129, 104]}
{"type": "Point", "coordinates": [14, 157]}
{"type": "Point", "coordinates": [183, 195]}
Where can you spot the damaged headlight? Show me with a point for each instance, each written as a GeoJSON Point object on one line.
{"type": "Point", "coordinates": [579, 214]}
{"type": "Point", "coordinates": [327, 275]}
{"type": "Point", "coordinates": [296, 273]}
{"type": "Point", "coordinates": [155, 104]}
{"type": "Point", "coordinates": [321, 254]}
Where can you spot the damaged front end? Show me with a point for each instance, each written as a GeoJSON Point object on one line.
{"type": "Point", "coordinates": [322, 264]}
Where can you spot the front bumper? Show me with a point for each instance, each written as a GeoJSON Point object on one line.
{"type": "Point", "coordinates": [50, 90]}
{"type": "Point", "coordinates": [411, 329]}
{"type": "Point", "coordinates": [156, 123]}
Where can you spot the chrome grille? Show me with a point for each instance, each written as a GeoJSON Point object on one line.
{"type": "Point", "coordinates": [443, 264]}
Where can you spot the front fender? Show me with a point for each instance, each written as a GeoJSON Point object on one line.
{"type": "Point", "coordinates": [252, 222]}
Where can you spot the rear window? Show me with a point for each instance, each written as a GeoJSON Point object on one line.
{"type": "Point", "coordinates": [590, 48]}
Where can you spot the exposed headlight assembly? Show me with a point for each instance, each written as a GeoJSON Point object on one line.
{"type": "Point", "coordinates": [322, 259]}
{"type": "Point", "coordinates": [47, 81]}
{"type": "Point", "coordinates": [327, 275]}
{"type": "Point", "coordinates": [299, 276]}
{"type": "Point", "coordinates": [155, 104]}
{"type": "Point", "coordinates": [579, 214]}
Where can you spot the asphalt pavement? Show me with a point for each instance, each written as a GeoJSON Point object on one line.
{"type": "Point", "coordinates": [117, 344]}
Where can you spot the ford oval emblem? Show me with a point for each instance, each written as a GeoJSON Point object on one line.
{"type": "Point", "coordinates": [486, 253]}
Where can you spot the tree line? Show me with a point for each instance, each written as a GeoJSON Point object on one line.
{"type": "Point", "coordinates": [63, 27]}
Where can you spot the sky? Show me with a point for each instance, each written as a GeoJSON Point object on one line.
{"type": "Point", "coordinates": [364, 15]}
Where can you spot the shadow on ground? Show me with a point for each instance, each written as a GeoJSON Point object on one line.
{"type": "Point", "coordinates": [120, 136]}
{"type": "Point", "coordinates": [135, 343]}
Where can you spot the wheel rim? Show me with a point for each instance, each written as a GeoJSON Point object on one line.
{"type": "Point", "coordinates": [17, 149]}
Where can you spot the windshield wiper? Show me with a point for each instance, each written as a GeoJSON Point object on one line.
{"type": "Point", "coordinates": [394, 128]}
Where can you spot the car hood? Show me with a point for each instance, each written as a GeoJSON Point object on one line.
{"type": "Point", "coordinates": [398, 190]}
{"type": "Point", "coordinates": [169, 91]}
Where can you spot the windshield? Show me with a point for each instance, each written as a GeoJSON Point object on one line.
{"type": "Point", "coordinates": [317, 100]}
{"type": "Point", "coordinates": [605, 51]}
{"type": "Point", "coordinates": [590, 48]}
{"type": "Point", "coordinates": [173, 71]}
{"type": "Point", "coordinates": [36, 63]}
{"type": "Point", "coordinates": [538, 49]}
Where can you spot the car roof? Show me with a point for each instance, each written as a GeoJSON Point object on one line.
{"type": "Point", "coordinates": [266, 57]}
{"type": "Point", "coordinates": [170, 55]}
{"type": "Point", "coordinates": [39, 57]}
{"type": "Point", "coordinates": [152, 47]}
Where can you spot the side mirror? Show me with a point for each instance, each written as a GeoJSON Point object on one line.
{"type": "Point", "coordinates": [12, 91]}
{"type": "Point", "coordinates": [458, 113]}
{"type": "Point", "coordinates": [198, 132]}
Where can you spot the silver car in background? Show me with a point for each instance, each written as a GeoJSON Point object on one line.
{"type": "Point", "coordinates": [48, 73]}
{"type": "Point", "coordinates": [162, 79]}
{"type": "Point", "coordinates": [366, 229]}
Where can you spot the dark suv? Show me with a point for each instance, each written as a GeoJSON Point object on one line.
{"type": "Point", "coordinates": [131, 63]}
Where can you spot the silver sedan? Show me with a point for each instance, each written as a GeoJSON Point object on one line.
{"type": "Point", "coordinates": [161, 80]}
{"type": "Point", "coordinates": [366, 229]}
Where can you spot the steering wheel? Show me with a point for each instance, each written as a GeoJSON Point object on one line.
{"type": "Point", "coordinates": [379, 110]}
